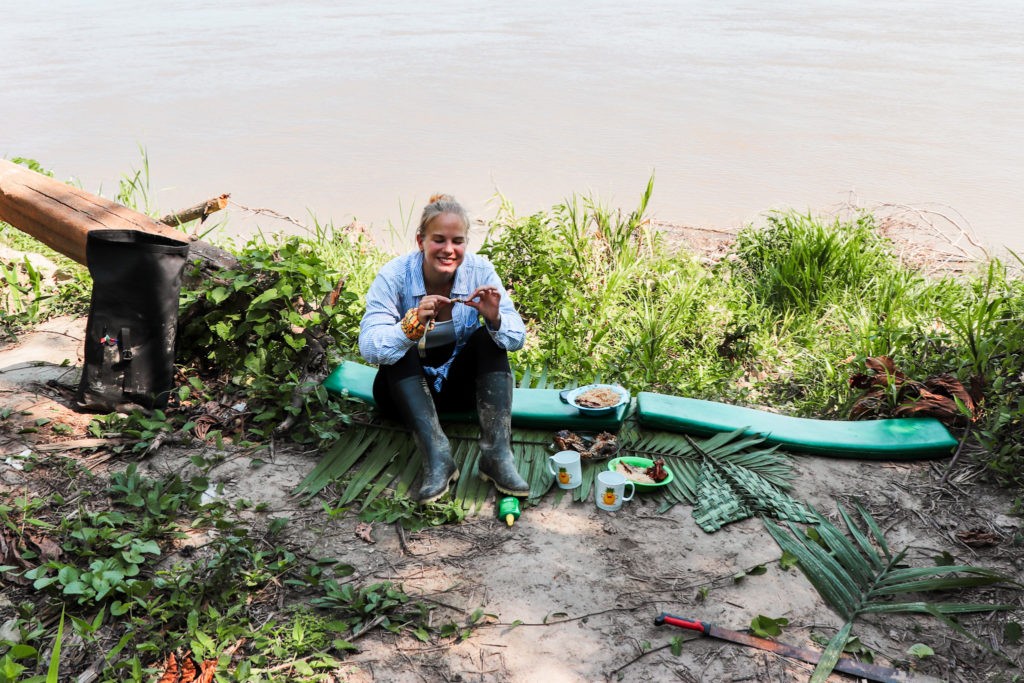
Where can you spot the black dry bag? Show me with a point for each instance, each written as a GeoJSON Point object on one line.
{"type": "Point", "coordinates": [129, 338]}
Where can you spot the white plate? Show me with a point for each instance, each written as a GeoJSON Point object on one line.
{"type": "Point", "coordinates": [570, 398]}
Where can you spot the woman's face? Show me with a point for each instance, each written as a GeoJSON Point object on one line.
{"type": "Point", "coordinates": [444, 247]}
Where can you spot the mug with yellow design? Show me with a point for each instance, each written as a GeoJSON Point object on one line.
{"type": "Point", "coordinates": [565, 465]}
{"type": "Point", "coordinates": [610, 490]}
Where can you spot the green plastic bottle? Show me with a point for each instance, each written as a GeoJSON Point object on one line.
{"type": "Point", "coordinates": [508, 509]}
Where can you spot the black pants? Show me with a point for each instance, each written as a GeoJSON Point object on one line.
{"type": "Point", "coordinates": [480, 355]}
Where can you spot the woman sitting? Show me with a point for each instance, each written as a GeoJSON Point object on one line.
{"type": "Point", "coordinates": [440, 325]}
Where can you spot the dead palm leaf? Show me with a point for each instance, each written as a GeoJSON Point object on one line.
{"type": "Point", "coordinates": [888, 392]}
{"type": "Point", "coordinates": [856, 573]}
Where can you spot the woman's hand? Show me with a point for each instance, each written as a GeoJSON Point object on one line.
{"type": "Point", "coordinates": [489, 304]}
{"type": "Point", "coordinates": [431, 306]}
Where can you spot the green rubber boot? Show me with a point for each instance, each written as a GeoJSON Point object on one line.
{"type": "Point", "coordinates": [419, 413]}
{"type": "Point", "coordinates": [494, 407]}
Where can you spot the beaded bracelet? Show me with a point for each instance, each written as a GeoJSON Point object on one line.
{"type": "Point", "coordinates": [411, 325]}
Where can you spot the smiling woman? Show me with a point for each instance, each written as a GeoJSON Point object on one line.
{"type": "Point", "coordinates": [436, 355]}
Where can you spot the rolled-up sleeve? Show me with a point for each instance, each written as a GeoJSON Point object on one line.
{"type": "Point", "coordinates": [511, 335]}
{"type": "Point", "coordinates": [381, 340]}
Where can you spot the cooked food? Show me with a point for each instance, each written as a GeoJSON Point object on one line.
{"type": "Point", "coordinates": [655, 474]}
{"type": "Point", "coordinates": [605, 446]}
{"type": "Point", "coordinates": [601, 447]}
{"type": "Point", "coordinates": [634, 474]}
{"type": "Point", "coordinates": [657, 471]}
{"type": "Point", "coordinates": [568, 441]}
{"type": "Point", "coordinates": [599, 397]}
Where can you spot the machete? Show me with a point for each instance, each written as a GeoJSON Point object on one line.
{"type": "Point", "coordinates": [872, 672]}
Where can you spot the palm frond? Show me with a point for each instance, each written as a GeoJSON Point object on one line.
{"type": "Point", "coordinates": [384, 450]}
{"type": "Point", "coordinates": [820, 568]}
{"type": "Point", "coordinates": [872, 526]}
{"type": "Point", "coordinates": [854, 579]}
{"type": "Point", "coordinates": [683, 487]}
{"type": "Point", "coordinates": [863, 542]}
{"type": "Point", "coordinates": [338, 459]}
{"type": "Point", "coordinates": [467, 456]}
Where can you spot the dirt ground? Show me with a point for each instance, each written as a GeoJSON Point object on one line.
{"type": "Point", "coordinates": [572, 592]}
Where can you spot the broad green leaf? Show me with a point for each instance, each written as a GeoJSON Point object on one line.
{"type": "Point", "coordinates": [767, 627]}
{"type": "Point", "coordinates": [920, 650]}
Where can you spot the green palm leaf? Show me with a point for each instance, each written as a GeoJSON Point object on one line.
{"type": "Point", "coordinates": [876, 531]}
{"type": "Point", "coordinates": [395, 469]}
{"type": "Point", "coordinates": [850, 575]}
{"type": "Point", "coordinates": [338, 460]}
{"type": "Point", "coordinates": [824, 573]}
{"type": "Point", "coordinates": [863, 542]}
{"type": "Point", "coordinates": [906, 579]}
{"type": "Point", "coordinates": [723, 478]}
{"type": "Point", "coordinates": [833, 651]}
{"type": "Point", "coordinates": [933, 608]}
{"type": "Point", "coordinates": [379, 457]}
{"type": "Point", "coordinates": [845, 554]}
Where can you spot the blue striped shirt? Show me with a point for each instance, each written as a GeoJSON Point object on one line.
{"type": "Point", "coordinates": [399, 286]}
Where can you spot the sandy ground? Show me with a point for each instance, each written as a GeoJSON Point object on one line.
{"type": "Point", "coordinates": [571, 592]}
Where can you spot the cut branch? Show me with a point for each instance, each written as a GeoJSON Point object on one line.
{"type": "Point", "coordinates": [198, 212]}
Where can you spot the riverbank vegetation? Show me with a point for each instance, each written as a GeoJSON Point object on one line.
{"type": "Point", "coordinates": [782, 322]}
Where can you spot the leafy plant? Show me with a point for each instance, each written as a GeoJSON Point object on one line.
{"type": "Point", "coordinates": [410, 514]}
{"type": "Point", "coordinates": [262, 331]}
{"type": "Point", "coordinates": [381, 603]}
{"type": "Point", "coordinates": [857, 574]}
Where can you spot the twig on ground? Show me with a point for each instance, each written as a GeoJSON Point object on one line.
{"type": "Point", "coordinates": [643, 653]}
{"type": "Point", "coordinates": [400, 530]}
{"type": "Point", "coordinates": [76, 444]}
{"type": "Point", "coordinates": [956, 456]}
{"type": "Point", "coordinates": [367, 628]}
{"type": "Point", "coordinates": [630, 608]}
{"type": "Point", "coordinates": [161, 437]}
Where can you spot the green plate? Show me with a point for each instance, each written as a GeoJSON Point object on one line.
{"type": "Point", "coordinates": [645, 463]}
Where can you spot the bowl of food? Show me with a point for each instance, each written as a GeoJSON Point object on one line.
{"type": "Point", "coordinates": [646, 474]}
{"type": "Point", "coordinates": [596, 399]}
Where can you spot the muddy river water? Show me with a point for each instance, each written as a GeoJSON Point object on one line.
{"type": "Point", "coordinates": [359, 109]}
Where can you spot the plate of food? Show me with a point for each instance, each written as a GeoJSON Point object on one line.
{"type": "Point", "coordinates": [646, 474]}
{"type": "Point", "coordinates": [596, 399]}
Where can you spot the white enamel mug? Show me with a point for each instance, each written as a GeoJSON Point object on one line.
{"type": "Point", "coordinates": [566, 468]}
{"type": "Point", "coordinates": [610, 490]}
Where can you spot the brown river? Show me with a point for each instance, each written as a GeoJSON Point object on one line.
{"type": "Point", "coordinates": [343, 110]}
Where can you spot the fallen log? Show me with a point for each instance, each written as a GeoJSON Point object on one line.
{"type": "Point", "coordinates": [61, 216]}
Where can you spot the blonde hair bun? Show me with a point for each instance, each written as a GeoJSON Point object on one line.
{"type": "Point", "coordinates": [440, 204]}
